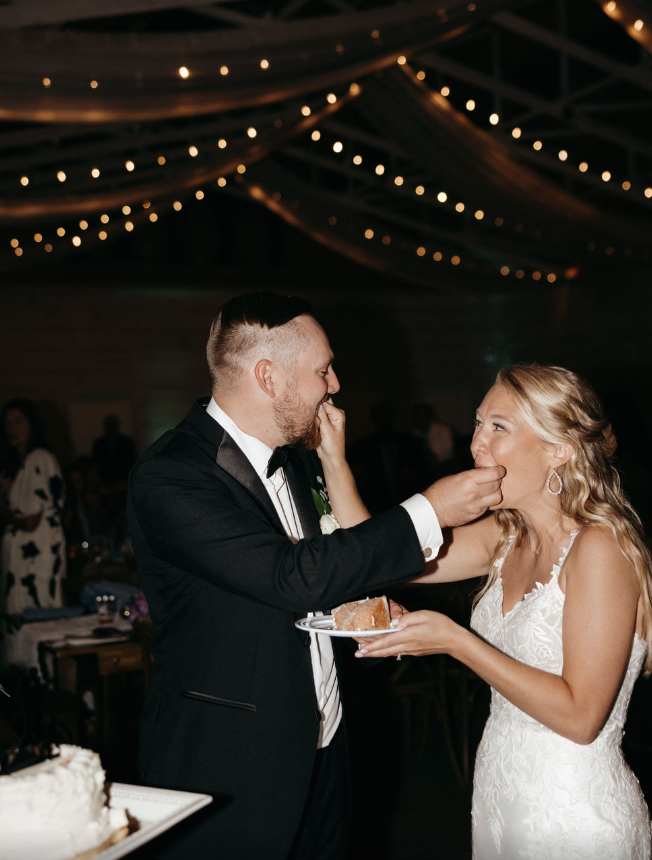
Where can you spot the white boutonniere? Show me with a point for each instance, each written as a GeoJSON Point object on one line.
{"type": "Point", "coordinates": [327, 522]}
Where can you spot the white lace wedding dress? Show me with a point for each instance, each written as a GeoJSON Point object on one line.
{"type": "Point", "coordinates": [536, 794]}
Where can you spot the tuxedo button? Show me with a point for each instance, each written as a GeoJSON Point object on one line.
{"type": "Point", "coordinates": [318, 715]}
{"type": "Point", "coordinates": [427, 552]}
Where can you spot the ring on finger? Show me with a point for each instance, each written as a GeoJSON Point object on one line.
{"type": "Point", "coordinates": [398, 656]}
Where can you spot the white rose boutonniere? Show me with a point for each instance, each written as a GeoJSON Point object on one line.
{"type": "Point", "coordinates": [327, 522]}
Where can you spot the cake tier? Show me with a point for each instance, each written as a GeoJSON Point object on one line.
{"type": "Point", "coordinates": [56, 809]}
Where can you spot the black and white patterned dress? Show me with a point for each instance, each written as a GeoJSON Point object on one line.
{"type": "Point", "coordinates": [34, 563]}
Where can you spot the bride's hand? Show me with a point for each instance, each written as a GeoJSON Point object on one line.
{"type": "Point", "coordinates": [331, 432]}
{"type": "Point", "coordinates": [422, 632]}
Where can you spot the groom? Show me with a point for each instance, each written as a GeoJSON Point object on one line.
{"type": "Point", "coordinates": [241, 704]}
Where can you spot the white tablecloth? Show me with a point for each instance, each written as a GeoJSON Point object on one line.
{"type": "Point", "coordinates": [22, 646]}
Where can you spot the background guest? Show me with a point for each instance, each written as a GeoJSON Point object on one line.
{"type": "Point", "coordinates": [33, 560]}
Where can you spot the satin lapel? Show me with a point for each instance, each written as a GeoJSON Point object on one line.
{"type": "Point", "coordinates": [233, 461]}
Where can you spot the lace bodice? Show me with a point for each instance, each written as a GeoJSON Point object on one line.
{"type": "Point", "coordinates": [537, 794]}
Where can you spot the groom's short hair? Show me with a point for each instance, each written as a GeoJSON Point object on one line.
{"type": "Point", "coordinates": [254, 326]}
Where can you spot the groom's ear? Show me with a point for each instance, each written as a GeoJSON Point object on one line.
{"type": "Point", "coordinates": [266, 375]}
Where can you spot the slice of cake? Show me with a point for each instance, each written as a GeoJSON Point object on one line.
{"type": "Point", "coordinates": [57, 809]}
{"type": "Point", "coordinates": [369, 614]}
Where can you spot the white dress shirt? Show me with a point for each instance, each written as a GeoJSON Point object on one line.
{"type": "Point", "coordinates": [321, 649]}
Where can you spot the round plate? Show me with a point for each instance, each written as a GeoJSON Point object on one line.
{"type": "Point", "coordinates": [324, 624]}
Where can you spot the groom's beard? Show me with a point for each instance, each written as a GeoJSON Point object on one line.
{"type": "Point", "coordinates": [297, 420]}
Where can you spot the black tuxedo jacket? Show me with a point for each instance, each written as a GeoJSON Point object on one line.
{"type": "Point", "coordinates": [231, 708]}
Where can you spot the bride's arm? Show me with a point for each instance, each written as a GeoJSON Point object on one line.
{"type": "Point", "coordinates": [598, 625]}
{"type": "Point", "coordinates": [467, 548]}
{"type": "Point", "coordinates": [348, 507]}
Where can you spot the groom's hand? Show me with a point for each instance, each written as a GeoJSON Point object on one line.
{"type": "Point", "coordinates": [458, 499]}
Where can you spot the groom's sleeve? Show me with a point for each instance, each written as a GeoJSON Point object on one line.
{"type": "Point", "coordinates": [426, 525]}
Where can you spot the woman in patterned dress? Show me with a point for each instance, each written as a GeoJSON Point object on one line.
{"type": "Point", "coordinates": [33, 545]}
{"type": "Point", "coordinates": [560, 631]}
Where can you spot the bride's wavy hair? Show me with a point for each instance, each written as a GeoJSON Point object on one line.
{"type": "Point", "coordinates": [562, 408]}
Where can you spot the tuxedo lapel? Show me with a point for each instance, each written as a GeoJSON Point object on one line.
{"type": "Point", "coordinates": [233, 461]}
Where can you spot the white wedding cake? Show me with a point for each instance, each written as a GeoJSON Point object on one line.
{"type": "Point", "coordinates": [57, 809]}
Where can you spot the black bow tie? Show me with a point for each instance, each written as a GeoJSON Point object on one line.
{"type": "Point", "coordinates": [279, 458]}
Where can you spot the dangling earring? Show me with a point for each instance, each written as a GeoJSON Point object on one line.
{"type": "Point", "coordinates": [561, 483]}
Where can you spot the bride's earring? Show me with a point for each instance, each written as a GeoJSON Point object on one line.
{"type": "Point", "coordinates": [561, 483]}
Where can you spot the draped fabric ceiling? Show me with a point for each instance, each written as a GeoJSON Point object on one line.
{"type": "Point", "coordinates": [344, 123]}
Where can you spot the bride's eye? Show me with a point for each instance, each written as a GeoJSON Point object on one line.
{"type": "Point", "coordinates": [498, 426]}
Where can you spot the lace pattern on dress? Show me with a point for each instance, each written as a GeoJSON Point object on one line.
{"type": "Point", "coordinates": [536, 794]}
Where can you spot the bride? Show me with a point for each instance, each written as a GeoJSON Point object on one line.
{"type": "Point", "coordinates": [560, 630]}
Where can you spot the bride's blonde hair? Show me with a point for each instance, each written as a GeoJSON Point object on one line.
{"type": "Point", "coordinates": [562, 408]}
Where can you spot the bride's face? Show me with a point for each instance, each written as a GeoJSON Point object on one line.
{"type": "Point", "coordinates": [502, 437]}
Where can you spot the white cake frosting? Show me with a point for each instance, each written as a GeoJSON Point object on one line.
{"type": "Point", "coordinates": [56, 809]}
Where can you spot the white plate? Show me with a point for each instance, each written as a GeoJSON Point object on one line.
{"type": "Point", "coordinates": [156, 810]}
{"type": "Point", "coordinates": [324, 624]}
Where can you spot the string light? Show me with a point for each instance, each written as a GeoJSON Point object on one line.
{"type": "Point", "coordinates": [401, 60]}
{"type": "Point", "coordinates": [126, 210]}
{"type": "Point", "coordinates": [470, 105]}
{"type": "Point", "coordinates": [95, 173]}
{"type": "Point", "coordinates": [251, 132]}
{"type": "Point", "coordinates": [193, 151]}
{"type": "Point", "coordinates": [380, 169]}
{"type": "Point", "coordinates": [419, 190]}
{"type": "Point", "coordinates": [445, 91]}
{"type": "Point", "coordinates": [305, 110]}
{"type": "Point", "coordinates": [421, 251]}
{"type": "Point", "coordinates": [161, 160]}
{"type": "Point", "coordinates": [315, 135]}
{"type": "Point", "coordinates": [61, 176]}
{"type": "Point", "coordinates": [224, 70]}
{"type": "Point", "coordinates": [331, 98]}
{"type": "Point", "coordinates": [357, 160]}
{"type": "Point", "coordinates": [442, 197]}
{"type": "Point", "coordinates": [338, 146]}
{"type": "Point", "coordinates": [47, 82]}
{"type": "Point", "coordinates": [264, 64]}
{"type": "Point", "coordinates": [183, 72]}
{"type": "Point", "coordinates": [369, 234]}
{"type": "Point", "coordinates": [398, 180]}
{"type": "Point", "coordinates": [129, 165]}
{"type": "Point", "coordinates": [76, 241]}
{"type": "Point", "coordinates": [24, 180]}
{"type": "Point", "coordinates": [387, 240]}
{"type": "Point", "coordinates": [94, 85]}
{"type": "Point", "coordinates": [494, 119]}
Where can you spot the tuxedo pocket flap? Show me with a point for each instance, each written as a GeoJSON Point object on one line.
{"type": "Point", "coordinates": [229, 703]}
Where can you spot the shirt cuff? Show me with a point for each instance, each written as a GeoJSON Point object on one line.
{"type": "Point", "coordinates": [425, 522]}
